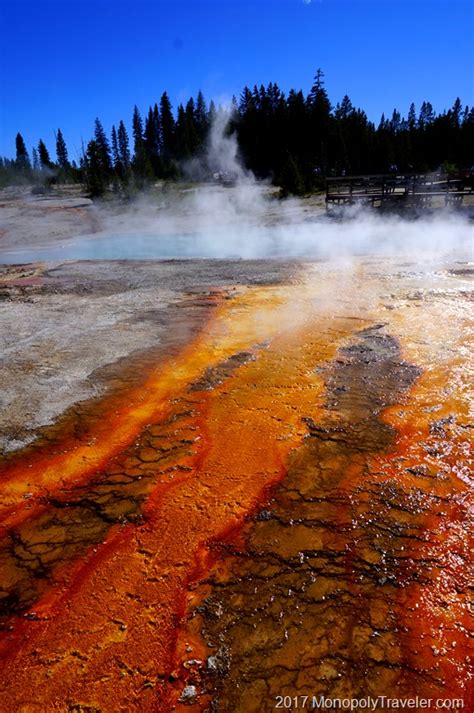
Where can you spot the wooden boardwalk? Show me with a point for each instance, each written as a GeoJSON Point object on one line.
{"type": "Point", "coordinates": [414, 190]}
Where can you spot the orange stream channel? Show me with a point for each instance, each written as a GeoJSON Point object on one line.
{"type": "Point", "coordinates": [104, 635]}
{"type": "Point", "coordinates": [437, 618]}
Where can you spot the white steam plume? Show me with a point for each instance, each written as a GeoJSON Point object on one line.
{"type": "Point", "coordinates": [239, 217]}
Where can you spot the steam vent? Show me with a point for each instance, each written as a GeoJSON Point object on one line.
{"type": "Point", "coordinates": [264, 500]}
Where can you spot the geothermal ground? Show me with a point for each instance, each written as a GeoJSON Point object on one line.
{"type": "Point", "coordinates": [230, 482]}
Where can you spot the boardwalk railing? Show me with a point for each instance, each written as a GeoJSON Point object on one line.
{"type": "Point", "coordinates": [415, 189]}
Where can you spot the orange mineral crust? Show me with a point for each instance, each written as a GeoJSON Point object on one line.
{"type": "Point", "coordinates": [241, 410]}
{"type": "Point", "coordinates": [238, 325]}
{"type": "Point", "coordinates": [289, 447]}
{"type": "Point", "coordinates": [354, 579]}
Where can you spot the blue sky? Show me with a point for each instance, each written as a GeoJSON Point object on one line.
{"type": "Point", "coordinates": [64, 62]}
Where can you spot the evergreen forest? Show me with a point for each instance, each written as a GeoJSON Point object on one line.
{"type": "Point", "coordinates": [293, 140]}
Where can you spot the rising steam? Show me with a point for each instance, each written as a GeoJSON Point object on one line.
{"type": "Point", "coordinates": [246, 219]}
{"type": "Point", "coordinates": [231, 215]}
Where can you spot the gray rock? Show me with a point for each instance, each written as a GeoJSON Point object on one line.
{"type": "Point", "coordinates": [188, 695]}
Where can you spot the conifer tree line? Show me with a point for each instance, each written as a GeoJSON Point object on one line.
{"type": "Point", "coordinates": [292, 139]}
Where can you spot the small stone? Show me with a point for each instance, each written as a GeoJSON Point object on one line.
{"type": "Point", "coordinates": [264, 515]}
{"type": "Point", "coordinates": [192, 662]}
{"type": "Point", "coordinates": [212, 663]}
{"type": "Point", "coordinates": [188, 695]}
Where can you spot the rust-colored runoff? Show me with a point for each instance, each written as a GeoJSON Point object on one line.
{"type": "Point", "coordinates": [279, 507]}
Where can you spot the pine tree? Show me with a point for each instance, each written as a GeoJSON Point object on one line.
{"type": "Point", "coordinates": [246, 126]}
{"type": "Point", "coordinates": [141, 164]}
{"type": "Point", "coordinates": [426, 116]}
{"type": "Point", "coordinates": [95, 176]}
{"type": "Point", "coordinates": [201, 119]}
{"type": "Point", "coordinates": [412, 117]}
{"type": "Point", "coordinates": [395, 121]}
{"type": "Point", "coordinates": [115, 151]}
{"type": "Point", "coordinates": [180, 134]}
{"type": "Point", "coordinates": [345, 118]}
{"type": "Point", "coordinates": [383, 123]}
{"type": "Point", "coordinates": [157, 125]}
{"type": "Point", "coordinates": [102, 148]}
{"type": "Point", "coordinates": [296, 125]}
{"type": "Point", "coordinates": [456, 112]}
{"type": "Point", "coordinates": [118, 169]}
{"type": "Point", "coordinates": [149, 135]}
{"type": "Point", "coordinates": [22, 158]}
{"type": "Point", "coordinates": [123, 148]}
{"type": "Point", "coordinates": [61, 151]}
{"type": "Point", "coordinates": [318, 98]}
{"type": "Point", "coordinates": [43, 155]}
{"type": "Point", "coordinates": [345, 109]}
{"type": "Point", "coordinates": [167, 127]}
{"type": "Point", "coordinates": [319, 108]}
{"type": "Point", "coordinates": [193, 139]}
{"type": "Point", "coordinates": [36, 165]}
{"type": "Point", "coordinates": [137, 128]}
{"type": "Point", "coordinates": [168, 139]}
{"type": "Point", "coordinates": [151, 140]}
{"type": "Point", "coordinates": [211, 114]}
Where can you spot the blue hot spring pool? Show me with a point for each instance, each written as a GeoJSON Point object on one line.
{"type": "Point", "coordinates": [257, 243]}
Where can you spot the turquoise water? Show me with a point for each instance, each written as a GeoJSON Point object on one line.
{"type": "Point", "coordinates": [317, 238]}
{"type": "Point", "coordinates": [106, 247]}
{"type": "Point", "coordinates": [264, 243]}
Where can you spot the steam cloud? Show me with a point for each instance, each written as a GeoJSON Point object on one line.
{"type": "Point", "coordinates": [241, 218]}
{"type": "Point", "coordinates": [245, 220]}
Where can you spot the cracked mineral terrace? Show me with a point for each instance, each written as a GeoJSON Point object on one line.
{"type": "Point", "coordinates": [228, 481]}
